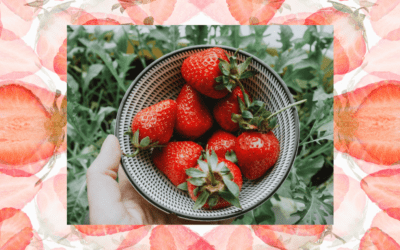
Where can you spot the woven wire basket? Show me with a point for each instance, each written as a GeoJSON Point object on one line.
{"type": "Point", "coordinates": [162, 80]}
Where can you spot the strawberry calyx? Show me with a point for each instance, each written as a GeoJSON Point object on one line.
{"type": "Point", "coordinates": [256, 117]}
{"type": "Point", "coordinates": [213, 181]}
{"type": "Point", "coordinates": [230, 155]}
{"type": "Point", "coordinates": [253, 115]}
{"type": "Point", "coordinates": [144, 144]}
{"type": "Point", "coordinates": [232, 72]}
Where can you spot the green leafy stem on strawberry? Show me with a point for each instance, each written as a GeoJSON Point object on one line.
{"type": "Point", "coordinates": [213, 180]}
{"type": "Point", "coordinates": [254, 115]}
{"type": "Point", "coordinates": [144, 144]}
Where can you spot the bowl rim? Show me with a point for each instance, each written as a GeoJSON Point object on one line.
{"type": "Point", "coordinates": [242, 211]}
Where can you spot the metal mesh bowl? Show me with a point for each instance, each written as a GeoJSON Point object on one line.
{"type": "Point", "coordinates": [163, 80]}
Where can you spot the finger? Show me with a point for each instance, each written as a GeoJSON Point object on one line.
{"type": "Point", "coordinates": [107, 162]}
{"type": "Point", "coordinates": [128, 192]}
{"type": "Point", "coordinates": [134, 201]}
{"type": "Point", "coordinates": [105, 206]}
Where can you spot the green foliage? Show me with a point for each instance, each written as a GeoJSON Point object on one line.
{"type": "Point", "coordinates": [102, 64]}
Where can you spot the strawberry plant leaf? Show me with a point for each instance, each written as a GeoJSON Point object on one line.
{"type": "Point", "coordinates": [193, 172]}
{"type": "Point", "coordinates": [316, 209]}
{"type": "Point", "coordinates": [225, 170]}
{"type": "Point", "coordinates": [246, 99]}
{"type": "Point", "coordinates": [289, 57]}
{"type": "Point", "coordinates": [219, 79]}
{"type": "Point", "coordinates": [243, 66]}
{"type": "Point", "coordinates": [285, 35]}
{"type": "Point", "coordinates": [135, 139]}
{"type": "Point", "coordinates": [236, 118]}
{"type": "Point", "coordinates": [247, 74]}
{"type": "Point", "coordinates": [231, 156]}
{"type": "Point", "coordinates": [341, 7]}
{"type": "Point", "coordinates": [220, 166]}
{"type": "Point", "coordinates": [264, 215]}
{"type": "Point", "coordinates": [212, 201]}
{"type": "Point", "coordinates": [201, 200]}
{"type": "Point", "coordinates": [224, 66]}
{"type": "Point", "coordinates": [128, 133]}
{"type": "Point", "coordinates": [116, 6]}
{"type": "Point", "coordinates": [92, 72]}
{"type": "Point", "coordinates": [213, 160]}
{"type": "Point", "coordinates": [229, 197]}
{"type": "Point", "coordinates": [219, 87]}
{"type": "Point", "coordinates": [247, 114]}
{"type": "Point", "coordinates": [196, 190]}
{"type": "Point", "coordinates": [241, 104]}
{"type": "Point", "coordinates": [232, 186]}
{"type": "Point", "coordinates": [145, 142]}
{"type": "Point", "coordinates": [309, 168]}
{"type": "Point", "coordinates": [197, 181]}
{"type": "Point", "coordinates": [203, 165]}
{"type": "Point", "coordinates": [183, 186]}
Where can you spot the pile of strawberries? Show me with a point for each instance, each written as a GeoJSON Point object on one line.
{"type": "Point", "coordinates": [213, 177]}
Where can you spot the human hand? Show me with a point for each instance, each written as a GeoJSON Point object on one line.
{"type": "Point", "coordinates": [118, 203]}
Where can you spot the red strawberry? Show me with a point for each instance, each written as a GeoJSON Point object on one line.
{"type": "Point", "coordinates": [366, 121]}
{"type": "Point", "coordinates": [201, 244]}
{"type": "Point", "coordinates": [348, 43]}
{"type": "Point", "coordinates": [175, 158]}
{"type": "Point", "coordinates": [221, 142]}
{"type": "Point", "coordinates": [253, 12]}
{"type": "Point", "coordinates": [15, 228]}
{"type": "Point", "coordinates": [383, 188]}
{"type": "Point", "coordinates": [256, 153]}
{"type": "Point", "coordinates": [60, 62]}
{"type": "Point", "coordinates": [288, 236]}
{"type": "Point", "coordinates": [375, 238]}
{"type": "Point", "coordinates": [100, 230]}
{"type": "Point", "coordinates": [201, 69]}
{"type": "Point", "coordinates": [29, 132]}
{"type": "Point", "coordinates": [193, 117]}
{"type": "Point", "coordinates": [224, 109]}
{"type": "Point", "coordinates": [153, 125]}
{"type": "Point", "coordinates": [219, 190]}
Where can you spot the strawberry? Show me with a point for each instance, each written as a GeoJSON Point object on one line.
{"type": "Point", "coordinates": [60, 61]}
{"type": "Point", "coordinates": [100, 230]}
{"type": "Point", "coordinates": [175, 158]}
{"type": "Point", "coordinates": [29, 131]}
{"type": "Point", "coordinates": [375, 238]}
{"type": "Point", "coordinates": [366, 121]}
{"type": "Point", "coordinates": [221, 142]}
{"type": "Point", "coordinates": [256, 153]}
{"type": "Point", "coordinates": [153, 126]}
{"type": "Point", "coordinates": [227, 106]}
{"type": "Point", "coordinates": [214, 183]}
{"type": "Point", "coordinates": [16, 229]}
{"type": "Point", "coordinates": [288, 236]}
{"type": "Point", "coordinates": [349, 42]}
{"type": "Point", "coordinates": [201, 69]}
{"type": "Point", "coordinates": [193, 117]}
{"type": "Point", "coordinates": [253, 12]}
{"type": "Point", "coordinates": [382, 188]}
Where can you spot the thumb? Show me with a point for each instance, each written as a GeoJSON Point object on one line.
{"type": "Point", "coordinates": [107, 162]}
{"type": "Point", "coordinates": [102, 188]}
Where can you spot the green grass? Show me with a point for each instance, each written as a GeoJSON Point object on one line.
{"type": "Point", "coordinates": [102, 64]}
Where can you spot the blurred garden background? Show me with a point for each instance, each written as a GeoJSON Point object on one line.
{"type": "Point", "coordinates": [104, 60]}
